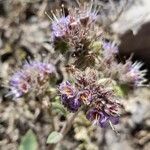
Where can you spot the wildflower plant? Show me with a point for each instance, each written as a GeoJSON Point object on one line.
{"type": "Point", "coordinates": [89, 68]}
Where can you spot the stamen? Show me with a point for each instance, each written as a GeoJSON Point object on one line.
{"type": "Point", "coordinates": [113, 128]}
{"type": "Point", "coordinates": [48, 16]}
{"type": "Point", "coordinates": [54, 16]}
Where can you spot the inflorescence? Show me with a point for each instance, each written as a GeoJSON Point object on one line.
{"type": "Point", "coordinates": [101, 103]}
{"type": "Point", "coordinates": [75, 28]}
{"type": "Point", "coordinates": [32, 78]}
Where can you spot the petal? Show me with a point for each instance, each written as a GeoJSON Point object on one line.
{"type": "Point", "coordinates": [114, 120]}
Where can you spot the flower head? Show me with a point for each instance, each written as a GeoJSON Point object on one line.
{"type": "Point", "coordinates": [32, 78]}
{"type": "Point", "coordinates": [135, 74]}
{"type": "Point", "coordinates": [101, 104]}
{"type": "Point", "coordinates": [75, 29]}
{"type": "Point", "coordinates": [132, 74]}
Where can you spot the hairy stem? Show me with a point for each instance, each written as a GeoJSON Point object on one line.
{"type": "Point", "coordinates": [68, 124]}
{"type": "Point", "coordinates": [65, 129]}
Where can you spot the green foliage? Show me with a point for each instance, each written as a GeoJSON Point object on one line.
{"type": "Point", "coordinates": [119, 91]}
{"type": "Point", "coordinates": [125, 88]}
{"type": "Point", "coordinates": [59, 108]}
{"type": "Point", "coordinates": [29, 141]}
{"type": "Point", "coordinates": [54, 137]}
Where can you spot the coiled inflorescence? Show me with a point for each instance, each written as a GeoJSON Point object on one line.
{"type": "Point", "coordinates": [127, 73]}
{"type": "Point", "coordinates": [102, 104]}
{"type": "Point", "coordinates": [74, 29]}
{"type": "Point", "coordinates": [32, 78]}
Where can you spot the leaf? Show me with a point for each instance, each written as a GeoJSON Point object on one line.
{"type": "Point", "coordinates": [119, 91]}
{"type": "Point", "coordinates": [29, 141]}
{"type": "Point", "coordinates": [54, 137]}
{"type": "Point", "coordinates": [59, 108]}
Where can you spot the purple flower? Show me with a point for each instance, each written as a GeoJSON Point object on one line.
{"type": "Point", "coordinates": [19, 84]}
{"type": "Point", "coordinates": [105, 120]}
{"type": "Point", "coordinates": [32, 78]}
{"type": "Point", "coordinates": [110, 49]}
{"type": "Point", "coordinates": [135, 74]}
{"type": "Point", "coordinates": [67, 89]}
{"type": "Point", "coordinates": [71, 103]}
{"type": "Point", "coordinates": [68, 96]}
{"type": "Point", "coordinates": [85, 96]}
{"type": "Point", "coordinates": [85, 15]}
{"type": "Point", "coordinates": [100, 118]}
{"type": "Point", "coordinates": [131, 73]}
{"type": "Point", "coordinates": [44, 69]}
{"type": "Point", "coordinates": [60, 26]}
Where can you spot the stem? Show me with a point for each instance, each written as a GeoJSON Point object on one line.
{"type": "Point", "coordinates": [65, 129]}
{"type": "Point", "coordinates": [68, 124]}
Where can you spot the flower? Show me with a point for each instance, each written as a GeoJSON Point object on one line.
{"type": "Point", "coordinates": [32, 78]}
{"type": "Point", "coordinates": [101, 103]}
{"type": "Point", "coordinates": [19, 84]}
{"type": "Point", "coordinates": [85, 96]}
{"type": "Point", "coordinates": [60, 27]}
{"type": "Point", "coordinates": [67, 89]}
{"type": "Point", "coordinates": [100, 118]}
{"type": "Point", "coordinates": [74, 30]}
{"type": "Point", "coordinates": [110, 49]}
{"type": "Point", "coordinates": [68, 96]}
{"type": "Point", "coordinates": [135, 75]}
{"type": "Point", "coordinates": [131, 73]}
{"type": "Point", "coordinates": [85, 14]}
{"type": "Point", "coordinates": [72, 104]}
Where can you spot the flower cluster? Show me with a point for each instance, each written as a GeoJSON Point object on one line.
{"type": "Point", "coordinates": [128, 73]}
{"type": "Point", "coordinates": [101, 102]}
{"type": "Point", "coordinates": [76, 28]}
{"type": "Point", "coordinates": [132, 74]}
{"type": "Point", "coordinates": [32, 78]}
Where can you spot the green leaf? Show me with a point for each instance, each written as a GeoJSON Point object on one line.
{"type": "Point", "coordinates": [119, 91]}
{"type": "Point", "coordinates": [29, 141]}
{"type": "Point", "coordinates": [57, 107]}
{"type": "Point", "coordinates": [125, 88]}
{"type": "Point", "coordinates": [54, 137]}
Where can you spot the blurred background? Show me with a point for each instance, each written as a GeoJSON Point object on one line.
{"type": "Point", "coordinates": [25, 32]}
